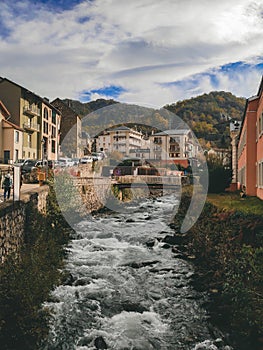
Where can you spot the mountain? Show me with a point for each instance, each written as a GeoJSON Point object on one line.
{"type": "Point", "coordinates": [85, 108]}
{"type": "Point", "coordinates": [102, 114]}
{"type": "Point", "coordinates": [208, 115]}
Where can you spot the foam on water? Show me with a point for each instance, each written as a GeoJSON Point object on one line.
{"type": "Point", "coordinates": [132, 296]}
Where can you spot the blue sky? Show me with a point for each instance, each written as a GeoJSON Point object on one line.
{"type": "Point", "coordinates": [147, 52]}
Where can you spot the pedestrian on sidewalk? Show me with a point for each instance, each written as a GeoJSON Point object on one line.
{"type": "Point", "coordinates": [6, 186]}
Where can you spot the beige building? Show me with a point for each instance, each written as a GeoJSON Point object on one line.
{"type": "Point", "coordinates": [129, 142]}
{"type": "Point", "coordinates": [173, 146]}
{"type": "Point", "coordinates": [10, 138]}
{"type": "Point", "coordinates": [50, 126]}
{"type": "Point", "coordinates": [27, 112]}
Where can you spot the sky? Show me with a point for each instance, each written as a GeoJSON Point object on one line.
{"type": "Point", "coordinates": [145, 52]}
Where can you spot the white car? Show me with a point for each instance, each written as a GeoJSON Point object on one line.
{"type": "Point", "coordinates": [86, 160]}
{"type": "Point", "coordinates": [65, 162]}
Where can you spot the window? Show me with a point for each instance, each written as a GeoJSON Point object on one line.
{"type": "Point", "coordinates": [45, 127]}
{"type": "Point", "coordinates": [260, 174]}
{"type": "Point", "coordinates": [54, 120]}
{"type": "Point", "coordinates": [29, 141]}
{"type": "Point", "coordinates": [53, 134]}
{"type": "Point", "coordinates": [45, 113]}
{"type": "Point", "coordinates": [16, 136]}
{"type": "Point", "coordinates": [53, 146]}
{"type": "Point", "coordinates": [174, 155]}
{"type": "Point", "coordinates": [157, 140]}
{"type": "Point", "coordinates": [174, 148]}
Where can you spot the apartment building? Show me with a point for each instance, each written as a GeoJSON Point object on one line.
{"type": "Point", "coordinates": [250, 146]}
{"type": "Point", "coordinates": [27, 111]}
{"type": "Point", "coordinates": [128, 141]}
{"type": "Point", "coordinates": [173, 146]}
{"type": "Point", "coordinates": [50, 126]}
{"type": "Point", "coordinates": [10, 137]}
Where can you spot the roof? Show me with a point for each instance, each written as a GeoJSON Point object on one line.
{"type": "Point", "coordinates": [172, 132]}
{"type": "Point", "coordinates": [260, 89]}
{"type": "Point", "coordinates": [12, 125]}
{"type": "Point", "coordinates": [3, 107]}
{"type": "Point", "coordinates": [121, 128]}
{"type": "Point", "coordinates": [250, 99]}
{"type": "Point", "coordinates": [44, 100]}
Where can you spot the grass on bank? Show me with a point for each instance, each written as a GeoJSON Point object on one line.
{"type": "Point", "coordinates": [227, 241]}
{"type": "Point", "coordinates": [233, 201]}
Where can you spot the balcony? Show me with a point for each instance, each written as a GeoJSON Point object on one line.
{"type": "Point", "coordinates": [174, 140]}
{"type": "Point", "coordinates": [32, 110]}
{"type": "Point", "coordinates": [31, 127]}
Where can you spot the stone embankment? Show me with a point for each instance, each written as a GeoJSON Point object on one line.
{"type": "Point", "coordinates": [90, 194]}
{"type": "Point", "coordinates": [14, 219]}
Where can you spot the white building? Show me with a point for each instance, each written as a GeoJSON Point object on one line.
{"type": "Point", "coordinates": [129, 142]}
{"type": "Point", "coordinates": [173, 146]}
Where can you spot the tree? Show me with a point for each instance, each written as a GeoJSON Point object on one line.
{"type": "Point", "coordinates": [220, 174]}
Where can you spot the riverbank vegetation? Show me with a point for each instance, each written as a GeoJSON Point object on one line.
{"type": "Point", "coordinates": [26, 283]}
{"type": "Point", "coordinates": [227, 243]}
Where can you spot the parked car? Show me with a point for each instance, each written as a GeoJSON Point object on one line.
{"type": "Point", "coordinates": [85, 160]}
{"type": "Point", "coordinates": [94, 156]}
{"type": "Point", "coordinates": [65, 162]}
{"type": "Point", "coordinates": [75, 161]}
{"type": "Point", "coordinates": [45, 163]}
{"type": "Point", "coordinates": [26, 165]}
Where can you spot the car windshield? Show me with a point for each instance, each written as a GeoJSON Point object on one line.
{"type": "Point", "coordinates": [19, 161]}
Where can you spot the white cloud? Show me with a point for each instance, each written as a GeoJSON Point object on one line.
{"type": "Point", "coordinates": [139, 45]}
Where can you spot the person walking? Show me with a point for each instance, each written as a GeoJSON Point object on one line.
{"type": "Point", "coordinates": [6, 186]}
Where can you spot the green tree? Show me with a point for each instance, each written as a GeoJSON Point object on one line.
{"type": "Point", "coordinates": [220, 174]}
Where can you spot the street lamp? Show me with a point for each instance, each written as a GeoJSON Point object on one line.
{"type": "Point", "coordinates": [43, 143]}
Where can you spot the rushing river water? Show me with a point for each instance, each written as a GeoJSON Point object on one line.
{"type": "Point", "coordinates": [125, 295]}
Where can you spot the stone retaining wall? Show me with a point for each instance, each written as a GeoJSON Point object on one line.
{"type": "Point", "coordinates": [13, 218]}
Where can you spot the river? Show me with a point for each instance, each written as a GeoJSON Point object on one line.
{"type": "Point", "coordinates": [125, 294]}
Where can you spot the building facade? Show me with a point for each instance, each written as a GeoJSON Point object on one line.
{"type": "Point", "coordinates": [127, 141]}
{"type": "Point", "coordinates": [173, 146]}
{"type": "Point", "coordinates": [27, 112]}
{"type": "Point", "coordinates": [250, 147]}
{"type": "Point", "coordinates": [10, 138]}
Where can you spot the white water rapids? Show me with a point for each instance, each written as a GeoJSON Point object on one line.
{"type": "Point", "coordinates": [124, 295]}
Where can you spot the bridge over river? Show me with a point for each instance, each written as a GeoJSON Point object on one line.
{"type": "Point", "coordinates": [127, 181]}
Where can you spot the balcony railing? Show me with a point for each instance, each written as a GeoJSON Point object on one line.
{"type": "Point", "coordinates": [31, 127]}
{"type": "Point", "coordinates": [32, 110]}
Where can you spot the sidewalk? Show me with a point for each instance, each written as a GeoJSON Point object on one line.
{"type": "Point", "coordinates": [26, 188]}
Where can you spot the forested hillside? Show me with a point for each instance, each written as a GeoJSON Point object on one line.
{"type": "Point", "coordinates": [207, 115]}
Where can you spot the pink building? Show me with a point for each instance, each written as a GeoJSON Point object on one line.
{"type": "Point", "coordinates": [250, 146]}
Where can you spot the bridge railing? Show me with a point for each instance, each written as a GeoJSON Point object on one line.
{"type": "Point", "coordinates": [165, 180]}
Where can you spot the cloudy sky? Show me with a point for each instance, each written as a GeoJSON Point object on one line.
{"type": "Point", "coordinates": [148, 52]}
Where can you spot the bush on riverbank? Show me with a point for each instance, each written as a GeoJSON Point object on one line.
{"type": "Point", "coordinates": [26, 284]}
{"type": "Point", "coordinates": [229, 254]}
